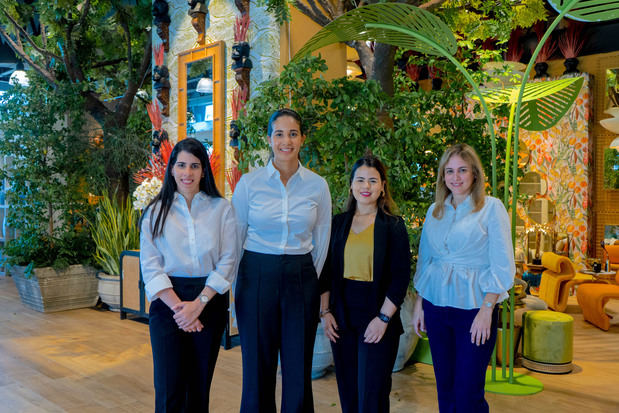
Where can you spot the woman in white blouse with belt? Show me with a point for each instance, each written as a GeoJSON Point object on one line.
{"type": "Point", "coordinates": [188, 255]}
{"type": "Point", "coordinates": [465, 266]}
{"type": "Point", "coordinates": [284, 219]}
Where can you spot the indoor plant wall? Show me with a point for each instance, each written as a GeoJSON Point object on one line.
{"type": "Point", "coordinates": [53, 168]}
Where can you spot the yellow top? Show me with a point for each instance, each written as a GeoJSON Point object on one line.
{"type": "Point", "coordinates": [359, 255]}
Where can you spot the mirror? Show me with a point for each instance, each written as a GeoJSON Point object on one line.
{"type": "Point", "coordinates": [611, 168]}
{"type": "Point", "coordinates": [612, 88]}
{"type": "Point", "coordinates": [541, 211]}
{"type": "Point", "coordinates": [532, 184]}
{"type": "Point", "coordinates": [524, 155]}
{"type": "Point", "coordinates": [201, 102]}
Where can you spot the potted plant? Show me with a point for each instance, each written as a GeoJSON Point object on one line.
{"type": "Point", "coordinates": [115, 229]}
{"type": "Point", "coordinates": [53, 165]}
{"type": "Point", "coordinates": [570, 44]}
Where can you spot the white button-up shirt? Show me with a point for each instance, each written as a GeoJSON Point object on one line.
{"type": "Point", "coordinates": [275, 219]}
{"type": "Point", "coordinates": [197, 243]}
{"type": "Point", "coordinates": [465, 255]}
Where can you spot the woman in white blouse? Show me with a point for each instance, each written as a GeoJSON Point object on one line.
{"type": "Point", "coordinates": [284, 218]}
{"type": "Point", "coordinates": [465, 266]}
{"type": "Point", "coordinates": [188, 255]}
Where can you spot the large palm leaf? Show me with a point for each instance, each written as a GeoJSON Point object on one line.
{"type": "Point", "coordinates": [431, 33]}
{"type": "Point", "coordinates": [588, 10]}
{"type": "Point", "coordinates": [543, 103]}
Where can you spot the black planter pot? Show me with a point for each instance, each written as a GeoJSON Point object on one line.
{"type": "Point", "coordinates": [571, 66]}
{"type": "Point", "coordinates": [541, 70]}
{"type": "Point", "coordinates": [437, 83]}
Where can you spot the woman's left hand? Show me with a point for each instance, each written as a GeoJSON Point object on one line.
{"type": "Point", "coordinates": [480, 329]}
{"type": "Point", "coordinates": [186, 312]}
{"type": "Point", "coordinates": [375, 331]}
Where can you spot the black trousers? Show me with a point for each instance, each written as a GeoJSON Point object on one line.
{"type": "Point", "coordinates": [459, 365]}
{"type": "Point", "coordinates": [363, 370]}
{"type": "Point", "coordinates": [184, 362]}
{"type": "Point", "coordinates": [277, 305]}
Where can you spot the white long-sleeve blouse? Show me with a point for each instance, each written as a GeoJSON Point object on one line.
{"type": "Point", "coordinates": [465, 255]}
{"type": "Point", "coordinates": [274, 218]}
{"type": "Point", "coordinates": [197, 243]}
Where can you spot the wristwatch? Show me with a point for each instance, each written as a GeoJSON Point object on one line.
{"type": "Point", "coordinates": [488, 304]}
{"type": "Point", "coordinates": [204, 298]}
{"type": "Point", "coordinates": [383, 317]}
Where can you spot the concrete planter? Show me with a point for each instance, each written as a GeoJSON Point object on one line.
{"type": "Point", "coordinates": [408, 339]}
{"type": "Point", "coordinates": [49, 290]}
{"type": "Point", "coordinates": [109, 290]}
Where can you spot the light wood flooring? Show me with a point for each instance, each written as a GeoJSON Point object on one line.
{"type": "Point", "coordinates": [90, 361]}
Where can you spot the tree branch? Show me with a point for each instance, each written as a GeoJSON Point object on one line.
{"type": "Point", "coordinates": [25, 34]}
{"type": "Point", "coordinates": [85, 10]}
{"type": "Point", "coordinates": [47, 75]}
{"type": "Point", "coordinates": [319, 18]}
{"type": "Point", "coordinates": [430, 5]}
{"type": "Point", "coordinates": [326, 5]}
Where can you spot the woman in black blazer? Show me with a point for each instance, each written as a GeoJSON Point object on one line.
{"type": "Point", "coordinates": [363, 284]}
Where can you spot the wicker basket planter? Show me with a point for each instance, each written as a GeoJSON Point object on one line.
{"type": "Point", "coordinates": [48, 290]}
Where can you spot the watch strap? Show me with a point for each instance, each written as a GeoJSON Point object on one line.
{"type": "Point", "coordinates": [384, 317]}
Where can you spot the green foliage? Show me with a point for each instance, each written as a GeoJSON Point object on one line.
{"type": "Point", "coordinates": [95, 38]}
{"type": "Point", "coordinates": [611, 171]}
{"type": "Point", "coordinates": [51, 168]}
{"type": "Point", "coordinates": [114, 230]}
{"type": "Point", "coordinates": [342, 121]}
{"type": "Point", "coordinates": [477, 20]}
{"type": "Point", "coordinates": [278, 8]}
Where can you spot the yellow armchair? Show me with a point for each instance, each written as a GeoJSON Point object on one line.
{"type": "Point", "coordinates": [554, 287]}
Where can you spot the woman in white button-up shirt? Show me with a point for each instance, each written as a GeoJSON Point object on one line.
{"type": "Point", "coordinates": [188, 255]}
{"type": "Point", "coordinates": [284, 220]}
{"type": "Point", "coordinates": [465, 266]}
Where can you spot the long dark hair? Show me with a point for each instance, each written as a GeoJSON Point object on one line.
{"type": "Point", "coordinates": [384, 201]}
{"type": "Point", "coordinates": [166, 195]}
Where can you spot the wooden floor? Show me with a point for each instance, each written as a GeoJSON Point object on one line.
{"type": "Point", "coordinates": [90, 361]}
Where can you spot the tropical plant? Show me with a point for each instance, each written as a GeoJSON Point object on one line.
{"type": "Point", "coordinates": [473, 21]}
{"type": "Point", "coordinates": [53, 167]}
{"type": "Point", "coordinates": [342, 123]}
{"type": "Point", "coordinates": [114, 229]}
{"type": "Point", "coordinates": [103, 50]}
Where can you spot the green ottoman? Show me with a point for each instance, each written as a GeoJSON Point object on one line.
{"type": "Point", "coordinates": [547, 345]}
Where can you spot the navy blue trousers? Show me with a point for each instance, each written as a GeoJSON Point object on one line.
{"type": "Point", "coordinates": [459, 365]}
{"type": "Point", "coordinates": [277, 305]}
{"type": "Point", "coordinates": [184, 362]}
{"type": "Point", "coordinates": [363, 370]}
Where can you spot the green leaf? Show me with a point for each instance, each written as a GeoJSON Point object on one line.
{"type": "Point", "coordinates": [588, 10]}
{"type": "Point", "coordinates": [543, 103]}
{"type": "Point", "coordinates": [429, 29]}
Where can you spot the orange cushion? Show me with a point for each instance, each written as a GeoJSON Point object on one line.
{"type": "Point", "coordinates": [592, 298]}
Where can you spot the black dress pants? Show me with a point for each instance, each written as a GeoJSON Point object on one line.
{"type": "Point", "coordinates": [363, 370]}
{"type": "Point", "coordinates": [184, 362]}
{"type": "Point", "coordinates": [277, 306]}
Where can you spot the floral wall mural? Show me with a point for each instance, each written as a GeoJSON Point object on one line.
{"type": "Point", "coordinates": [562, 156]}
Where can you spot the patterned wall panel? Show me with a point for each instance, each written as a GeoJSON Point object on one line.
{"type": "Point", "coordinates": [562, 155]}
{"type": "Point", "coordinates": [264, 37]}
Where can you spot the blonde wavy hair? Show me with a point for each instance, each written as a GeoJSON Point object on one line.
{"type": "Point", "coordinates": [468, 155]}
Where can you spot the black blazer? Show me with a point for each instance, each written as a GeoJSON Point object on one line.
{"type": "Point", "coordinates": [392, 264]}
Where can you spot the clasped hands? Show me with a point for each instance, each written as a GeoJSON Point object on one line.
{"type": "Point", "coordinates": [186, 315]}
{"type": "Point", "coordinates": [373, 333]}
